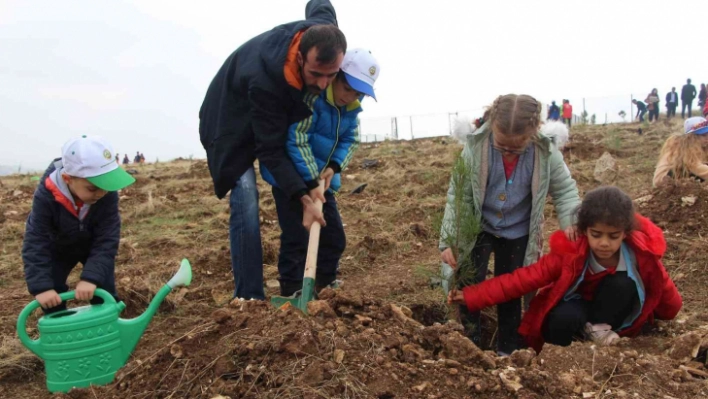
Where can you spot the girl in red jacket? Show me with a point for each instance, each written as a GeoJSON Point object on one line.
{"type": "Point", "coordinates": [607, 284]}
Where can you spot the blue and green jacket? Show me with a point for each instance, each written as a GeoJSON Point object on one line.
{"type": "Point", "coordinates": [328, 137]}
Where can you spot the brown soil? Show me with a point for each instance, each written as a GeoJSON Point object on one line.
{"type": "Point", "coordinates": [385, 334]}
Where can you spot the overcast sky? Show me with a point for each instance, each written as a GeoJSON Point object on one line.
{"type": "Point", "coordinates": [136, 72]}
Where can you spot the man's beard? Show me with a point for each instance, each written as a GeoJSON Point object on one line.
{"type": "Point", "coordinates": [314, 89]}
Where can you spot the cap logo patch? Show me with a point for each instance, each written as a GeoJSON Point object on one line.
{"type": "Point", "coordinates": [107, 154]}
{"type": "Point", "coordinates": [372, 71]}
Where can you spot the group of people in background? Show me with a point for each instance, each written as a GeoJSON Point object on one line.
{"type": "Point", "coordinates": [138, 159]}
{"type": "Point", "coordinates": [688, 93]}
{"type": "Point", "coordinates": [555, 112]}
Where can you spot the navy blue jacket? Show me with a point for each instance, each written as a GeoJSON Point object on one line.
{"type": "Point", "coordinates": [55, 237]}
{"type": "Point", "coordinates": [251, 103]}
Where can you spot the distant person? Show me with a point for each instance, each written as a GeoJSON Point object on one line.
{"type": "Point", "coordinates": [126, 160]}
{"type": "Point", "coordinates": [142, 158]}
{"type": "Point", "coordinates": [683, 155]}
{"type": "Point", "coordinates": [117, 158]}
{"type": "Point", "coordinates": [136, 160]}
{"type": "Point", "coordinates": [702, 95]}
{"type": "Point", "coordinates": [652, 101]}
{"type": "Point", "coordinates": [688, 93]}
{"type": "Point", "coordinates": [567, 112]}
{"type": "Point", "coordinates": [553, 112]}
{"type": "Point", "coordinates": [75, 219]}
{"type": "Point", "coordinates": [671, 103]}
{"type": "Point", "coordinates": [641, 110]}
{"type": "Point", "coordinates": [321, 146]}
{"type": "Point", "coordinates": [254, 98]}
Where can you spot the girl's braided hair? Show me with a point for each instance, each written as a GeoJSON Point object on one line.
{"type": "Point", "coordinates": [515, 114]}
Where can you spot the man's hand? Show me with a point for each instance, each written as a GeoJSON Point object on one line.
{"type": "Point", "coordinates": [85, 290]}
{"type": "Point", "coordinates": [571, 233]}
{"type": "Point", "coordinates": [455, 296]}
{"type": "Point", "coordinates": [327, 176]}
{"type": "Point", "coordinates": [48, 299]}
{"type": "Point", "coordinates": [448, 257]}
{"type": "Point", "coordinates": [311, 212]}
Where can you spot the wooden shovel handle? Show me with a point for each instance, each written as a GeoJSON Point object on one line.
{"type": "Point", "coordinates": [314, 243]}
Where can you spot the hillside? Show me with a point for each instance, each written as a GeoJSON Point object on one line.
{"type": "Point", "coordinates": [384, 334]}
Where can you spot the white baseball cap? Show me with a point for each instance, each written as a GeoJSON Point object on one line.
{"type": "Point", "coordinates": [695, 125]}
{"type": "Point", "coordinates": [91, 158]}
{"type": "Point", "coordinates": [361, 70]}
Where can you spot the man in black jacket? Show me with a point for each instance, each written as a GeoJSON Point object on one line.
{"type": "Point", "coordinates": [253, 99]}
{"type": "Point", "coordinates": [688, 93]}
{"type": "Point", "coordinates": [671, 103]}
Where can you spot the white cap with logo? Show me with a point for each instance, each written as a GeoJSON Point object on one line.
{"type": "Point", "coordinates": [361, 70]}
{"type": "Point", "coordinates": [91, 158]}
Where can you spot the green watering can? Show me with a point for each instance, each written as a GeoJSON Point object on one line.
{"type": "Point", "coordinates": [87, 345]}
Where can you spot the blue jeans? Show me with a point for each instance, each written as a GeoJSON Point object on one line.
{"type": "Point", "coordinates": [245, 238]}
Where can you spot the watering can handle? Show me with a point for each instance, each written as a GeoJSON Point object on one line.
{"type": "Point", "coordinates": [33, 344]}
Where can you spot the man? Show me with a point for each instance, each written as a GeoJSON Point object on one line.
{"type": "Point", "coordinates": [671, 103]}
{"type": "Point", "coordinates": [641, 110]}
{"type": "Point", "coordinates": [688, 93]}
{"type": "Point", "coordinates": [256, 95]}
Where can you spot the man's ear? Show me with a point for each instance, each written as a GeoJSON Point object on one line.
{"type": "Point", "coordinates": [300, 59]}
{"type": "Point", "coordinates": [66, 178]}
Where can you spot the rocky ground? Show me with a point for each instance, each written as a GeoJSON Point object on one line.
{"type": "Point", "coordinates": [386, 333]}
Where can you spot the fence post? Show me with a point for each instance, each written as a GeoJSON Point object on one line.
{"type": "Point", "coordinates": [585, 113]}
{"type": "Point", "coordinates": [411, 120]}
{"type": "Point", "coordinates": [395, 121]}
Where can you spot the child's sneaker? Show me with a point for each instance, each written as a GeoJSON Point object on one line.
{"type": "Point", "coordinates": [601, 333]}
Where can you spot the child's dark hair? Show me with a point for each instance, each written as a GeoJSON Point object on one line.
{"type": "Point", "coordinates": [515, 114]}
{"type": "Point", "coordinates": [608, 205]}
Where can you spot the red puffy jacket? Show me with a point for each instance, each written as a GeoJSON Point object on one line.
{"type": "Point", "coordinates": [555, 273]}
{"type": "Point", "coordinates": [705, 110]}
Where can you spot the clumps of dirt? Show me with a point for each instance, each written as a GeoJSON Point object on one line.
{"type": "Point", "coordinates": [680, 207]}
{"type": "Point", "coordinates": [370, 248]}
{"type": "Point", "coordinates": [583, 148]}
{"type": "Point", "coordinates": [16, 363]}
{"type": "Point", "coordinates": [197, 170]}
{"type": "Point", "coordinates": [358, 347]}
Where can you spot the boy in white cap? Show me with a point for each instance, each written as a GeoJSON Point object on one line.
{"type": "Point", "coordinates": [74, 219]}
{"type": "Point", "coordinates": [321, 146]}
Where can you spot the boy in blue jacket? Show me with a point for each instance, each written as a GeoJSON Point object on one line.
{"type": "Point", "coordinates": [321, 146]}
{"type": "Point", "coordinates": [74, 219]}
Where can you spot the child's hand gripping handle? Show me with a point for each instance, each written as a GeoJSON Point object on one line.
{"type": "Point", "coordinates": [33, 344]}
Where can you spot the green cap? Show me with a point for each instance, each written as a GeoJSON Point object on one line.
{"type": "Point", "coordinates": [115, 180]}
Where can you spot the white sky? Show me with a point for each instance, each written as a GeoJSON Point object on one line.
{"type": "Point", "coordinates": [136, 72]}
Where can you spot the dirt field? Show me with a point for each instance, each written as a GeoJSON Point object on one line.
{"type": "Point", "coordinates": [385, 334]}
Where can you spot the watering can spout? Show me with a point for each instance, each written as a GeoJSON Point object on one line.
{"type": "Point", "coordinates": [132, 329]}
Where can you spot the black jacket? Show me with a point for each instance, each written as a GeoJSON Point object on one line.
{"type": "Point", "coordinates": [668, 99]}
{"type": "Point", "coordinates": [688, 93]}
{"type": "Point", "coordinates": [249, 106]}
{"type": "Point", "coordinates": [54, 237]}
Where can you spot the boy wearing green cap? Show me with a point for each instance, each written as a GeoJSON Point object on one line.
{"type": "Point", "coordinates": [74, 219]}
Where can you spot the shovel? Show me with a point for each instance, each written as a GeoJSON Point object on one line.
{"type": "Point", "coordinates": [307, 293]}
